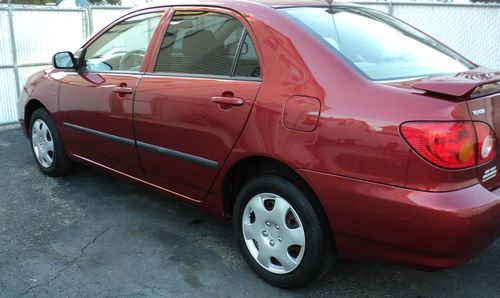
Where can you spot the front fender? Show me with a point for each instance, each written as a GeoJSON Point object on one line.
{"type": "Point", "coordinates": [41, 87]}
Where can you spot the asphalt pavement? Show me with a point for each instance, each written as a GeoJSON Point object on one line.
{"type": "Point", "coordinates": [91, 234]}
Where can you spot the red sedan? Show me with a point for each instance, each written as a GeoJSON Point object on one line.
{"type": "Point", "coordinates": [322, 130]}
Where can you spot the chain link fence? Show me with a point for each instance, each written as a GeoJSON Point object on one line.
{"type": "Point", "coordinates": [472, 30]}
{"type": "Point", "coordinates": [30, 36]}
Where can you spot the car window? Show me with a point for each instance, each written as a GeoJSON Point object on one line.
{"type": "Point", "coordinates": [248, 63]}
{"type": "Point", "coordinates": [122, 48]}
{"type": "Point", "coordinates": [200, 42]}
{"type": "Point", "coordinates": [379, 46]}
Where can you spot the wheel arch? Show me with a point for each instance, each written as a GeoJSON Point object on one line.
{"type": "Point", "coordinates": [250, 167]}
{"type": "Point", "coordinates": [32, 105]}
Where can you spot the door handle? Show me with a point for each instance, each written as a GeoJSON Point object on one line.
{"type": "Point", "coordinates": [123, 90]}
{"type": "Point", "coordinates": [232, 101]}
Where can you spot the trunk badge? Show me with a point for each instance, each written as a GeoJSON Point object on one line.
{"type": "Point", "coordinates": [478, 112]}
{"type": "Point", "coordinates": [489, 173]}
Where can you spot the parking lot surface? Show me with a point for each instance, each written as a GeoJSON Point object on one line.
{"type": "Point", "coordinates": [92, 234]}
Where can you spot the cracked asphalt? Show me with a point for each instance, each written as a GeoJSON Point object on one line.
{"type": "Point", "coordinates": [94, 235]}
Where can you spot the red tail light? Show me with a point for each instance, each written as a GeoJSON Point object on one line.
{"type": "Point", "coordinates": [451, 145]}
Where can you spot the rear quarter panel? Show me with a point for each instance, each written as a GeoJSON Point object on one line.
{"type": "Point", "coordinates": [358, 132]}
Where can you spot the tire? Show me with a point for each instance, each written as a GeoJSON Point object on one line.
{"type": "Point", "coordinates": [47, 146]}
{"type": "Point", "coordinates": [280, 234]}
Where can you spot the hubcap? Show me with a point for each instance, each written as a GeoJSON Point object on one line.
{"type": "Point", "coordinates": [273, 233]}
{"type": "Point", "coordinates": [43, 143]}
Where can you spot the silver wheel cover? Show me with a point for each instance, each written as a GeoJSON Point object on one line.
{"type": "Point", "coordinates": [43, 143]}
{"type": "Point", "coordinates": [273, 233]}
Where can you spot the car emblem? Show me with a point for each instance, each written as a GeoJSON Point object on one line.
{"type": "Point", "coordinates": [478, 112]}
{"type": "Point", "coordinates": [489, 173]}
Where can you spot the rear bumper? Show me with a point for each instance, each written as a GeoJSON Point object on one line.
{"type": "Point", "coordinates": [420, 229]}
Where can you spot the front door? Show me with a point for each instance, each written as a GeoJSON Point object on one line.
{"type": "Point", "coordinates": [96, 101]}
{"type": "Point", "coordinates": [192, 105]}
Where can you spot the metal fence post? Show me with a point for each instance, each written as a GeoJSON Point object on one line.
{"type": "Point", "coordinates": [14, 49]}
{"type": "Point", "coordinates": [89, 23]}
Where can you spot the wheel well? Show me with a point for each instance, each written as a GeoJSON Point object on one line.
{"type": "Point", "coordinates": [245, 169]}
{"type": "Point", "coordinates": [32, 105]}
{"type": "Point", "coordinates": [248, 168]}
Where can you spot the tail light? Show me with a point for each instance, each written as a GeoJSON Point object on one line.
{"type": "Point", "coordinates": [486, 142]}
{"type": "Point", "coordinates": [451, 145]}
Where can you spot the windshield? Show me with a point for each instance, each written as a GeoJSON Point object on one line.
{"type": "Point", "coordinates": [379, 46]}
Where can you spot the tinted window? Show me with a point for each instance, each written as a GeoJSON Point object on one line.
{"type": "Point", "coordinates": [378, 45]}
{"type": "Point", "coordinates": [200, 42]}
{"type": "Point", "coordinates": [248, 63]}
{"type": "Point", "coordinates": [124, 45]}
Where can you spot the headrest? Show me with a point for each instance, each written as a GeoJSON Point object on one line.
{"type": "Point", "coordinates": [197, 43]}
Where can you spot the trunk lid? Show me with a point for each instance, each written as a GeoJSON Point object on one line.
{"type": "Point", "coordinates": [462, 84]}
{"type": "Point", "coordinates": [480, 89]}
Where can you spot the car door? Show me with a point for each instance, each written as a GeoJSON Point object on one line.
{"type": "Point", "coordinates": [192, 104]}
{"type": "Point", "coordinates": [96, 101]}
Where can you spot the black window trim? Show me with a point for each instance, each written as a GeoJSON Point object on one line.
{"type": "Point", "coordinates": [238, 53]}
{"type": "Point", "coordinates": [202, 76]}
{"type": "Point", "coordinates": [234, 65]}
{"type": "Point", "coordinates": [81, 58]}
{"type": "Point", "coordinates": [105, 72]}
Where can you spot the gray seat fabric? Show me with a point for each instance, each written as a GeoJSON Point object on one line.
{"type": "Point", "coordinates": [204, 54]}
{"type": "Point", "coordinates": [200, 53]}
{"type": "Point", "coordinates": [197, 44]}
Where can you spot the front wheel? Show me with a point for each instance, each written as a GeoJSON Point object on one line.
{"type": "Point", "coordinates": [47, 146]}
{"type": "Point", "coordinates": [279, 232]}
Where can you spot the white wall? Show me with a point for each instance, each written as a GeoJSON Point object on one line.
{"type": "Point", "coordinates": [473, 31]}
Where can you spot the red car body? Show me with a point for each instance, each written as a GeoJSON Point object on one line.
{"type": "Point", "coordinates": [338, 131]}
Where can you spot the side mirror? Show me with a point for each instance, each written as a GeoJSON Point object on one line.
{"type": "Point", "coordinates": [64, 60]}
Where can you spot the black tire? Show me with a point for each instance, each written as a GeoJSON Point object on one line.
{"type": "Point", "coordinates": [318, 257]}
{"type": "Point", "coordinates": [61, 164]}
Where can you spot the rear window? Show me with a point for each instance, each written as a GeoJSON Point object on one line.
{"type": "Point", "coordinates": [378, 45]}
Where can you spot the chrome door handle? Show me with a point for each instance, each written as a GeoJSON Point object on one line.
{"type": "Point", "coordinates": [123, 90]}
{"type": "Point", "coordinates": [232, 101]}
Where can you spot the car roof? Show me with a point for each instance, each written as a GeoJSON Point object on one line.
{"type": "Point", "coordinates": [281, 3]}
{"type": "Point", "coordinates": [242, 6]}
{"type": "Point", "coordinates": [231, 3]}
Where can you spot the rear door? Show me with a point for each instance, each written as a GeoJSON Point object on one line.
{"type": "Point", "coordinates": [192, 104]}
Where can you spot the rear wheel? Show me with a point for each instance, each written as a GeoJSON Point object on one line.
{"type": "Point", "coordinates": [280, 233]}
{"type": "Point", "coordinates": [47, 146]}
